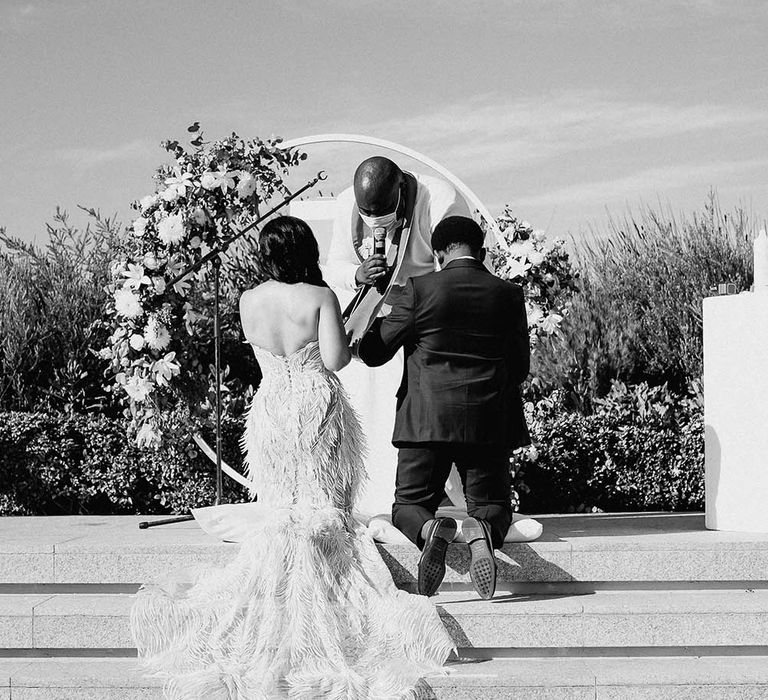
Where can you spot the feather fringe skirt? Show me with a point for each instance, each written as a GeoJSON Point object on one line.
{"type": "Point", "coordinates": [306, 610]}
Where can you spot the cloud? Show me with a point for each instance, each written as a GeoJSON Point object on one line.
{"type": "Point", "coordinates": [646, 182]}
{"type": "Point", "coordinates": [94, 157]}
{"type": "Point", "coordinates": [493, 132]}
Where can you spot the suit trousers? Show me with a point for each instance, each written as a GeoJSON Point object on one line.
{"type": "Point", "coordinates": [423, 469]}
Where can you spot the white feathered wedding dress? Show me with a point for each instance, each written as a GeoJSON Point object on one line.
{"type": "Point", "coordinates": [307, 608]}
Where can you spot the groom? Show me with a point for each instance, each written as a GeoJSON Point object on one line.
{"type": "Point", "coordinates": [465, 337]}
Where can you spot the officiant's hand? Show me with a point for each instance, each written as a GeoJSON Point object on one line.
{"type": "Point", "coordinates": [374, 267]}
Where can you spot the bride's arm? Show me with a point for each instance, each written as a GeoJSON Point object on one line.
{"type": "Point", "coordinates": [330, 333]}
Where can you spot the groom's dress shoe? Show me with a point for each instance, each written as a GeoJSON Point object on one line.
{"type": "Point", "coordinates": [432, 562]}
{"type": "Point", "coordinates": [482, 567]}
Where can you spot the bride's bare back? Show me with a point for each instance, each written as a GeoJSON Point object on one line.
{"type": "Point", "coordinates": [283, 318]}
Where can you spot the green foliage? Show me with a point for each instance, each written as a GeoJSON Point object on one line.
{"type": "Point", "coordinates": [641, 449]}
{"type": "Point", "coordinates": [55, 464]}
{"type": "Point", "coordinates": [638, 316]}
{"type": "Point", "coordinates": [50, 302]}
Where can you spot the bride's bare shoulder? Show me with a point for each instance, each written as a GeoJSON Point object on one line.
{"type": "Point", "coordinates": [285, 293]}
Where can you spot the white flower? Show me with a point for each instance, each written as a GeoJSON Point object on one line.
{"type": "Point", "coordinates": [536, 257]}
{"type": "Point", "coordinates": [551, 323]}
{"type": "Point", "coordinates": [148, 202]}
{"type": "Point", "coordinates": [190, 316]}
{"type": "Point", "coordinates": [171, 229]}
{"type": "Point", "coordinates": [209, 180]}
{"type": "Point", "coordinates": [199, 216]}
{"type": "Point", "coordinates": [521, 249]}
{"type": "Point", "coordinates": [137, 341]}
{"type": "Point", "coordinates": [159, 284]}
{"type": "Point", "coordinates": [195, 242]}
{"type": "Point", "coordinates": [138, 388]}
{"type": "Point", "coordinates": [135, 277]}
{"type": "Point", "coordinates": [538, 236]}
{"type": "Point", "coordinates": [156, 335]}
{"type": "Point", "coordinates": [247, 185]}
{"type": "Point", "coordinates": [534, 313]}
{"type": "Point", "coordinates": [516, 268]}
{"type": "Point", "coordinates": [139, 226]}
{"type": "Point", "coordinates": [170, 194]}
{"type": "Point", "coordinates": [147, 436]}
{"type": "Point", "coordinates": [177, 186]}
{"type": "Point", "coordinates": [150, 261]}
{"type": "Point", "coordinates": [533, 453]}
{"type": "Point", "coordinates": [127, 303]}
{"type": "Point", "coordinates": [166, 368]}
{"type": "Point", "coordinates": [223, 178]}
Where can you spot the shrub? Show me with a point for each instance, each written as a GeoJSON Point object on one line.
{"type": "Point", "coordinates": [50, 301]}
{"type": "Point", "coordinates": [84, 464]}
{"type": "Point", "coordinates": [641, 449]}
{"type": "Point", "coordinates": [638, 316]}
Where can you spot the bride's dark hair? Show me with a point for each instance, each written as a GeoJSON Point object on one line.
{"type": "Point", "coordinates": [288, 252]}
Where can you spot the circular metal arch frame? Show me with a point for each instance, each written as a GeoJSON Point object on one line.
{"type": "Point", "coordinates": [469, 195]}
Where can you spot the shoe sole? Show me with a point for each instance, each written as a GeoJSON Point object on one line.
{"type": "Point", "coordinates": [432, 561]}
{"type": "Point", "coordinates": [482, 567]}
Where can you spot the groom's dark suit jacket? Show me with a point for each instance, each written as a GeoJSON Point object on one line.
{"type": "Point", "coordinates": [465, 337]}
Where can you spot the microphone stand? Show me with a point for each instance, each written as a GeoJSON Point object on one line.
{"type": "Point", "coordinates": [214, 257]}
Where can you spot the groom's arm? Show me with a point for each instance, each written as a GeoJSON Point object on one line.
{"type": "Point", "coordinates": [387, 335]}
{"type": "Point", "coordinates": [518, 344]}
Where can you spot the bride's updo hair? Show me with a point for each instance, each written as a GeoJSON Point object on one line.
{"type": "Point", "coordinates": [288, 252]}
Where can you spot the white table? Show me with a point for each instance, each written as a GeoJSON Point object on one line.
{"type": "Point", "coordinates": [736, 412]}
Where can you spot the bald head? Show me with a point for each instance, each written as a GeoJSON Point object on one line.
{"type": "Point", "coordinates": [377, 181]}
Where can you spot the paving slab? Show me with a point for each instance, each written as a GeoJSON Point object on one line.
{"type": "Point", "coordinates": [645, 547]}
{"type": "Point", "coordinates": [730, 678]}
{"type": "Point", "coordinates": [604, 619]}
{"type": "Point", "coordinates": [16, 614]}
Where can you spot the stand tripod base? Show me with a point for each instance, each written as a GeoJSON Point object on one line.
{"type": "Point", "coordinates": [165, 521]}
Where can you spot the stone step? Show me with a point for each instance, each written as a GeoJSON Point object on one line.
{"type": "Point", "coordinates": [712, 678]}
{"type": "Point", "coordinates": [612, 548]}
{"type": "Point", "coordinates": [604, 619]}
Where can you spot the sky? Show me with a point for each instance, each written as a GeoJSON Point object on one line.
{"type": "Point", "coordinates": [569, 112]}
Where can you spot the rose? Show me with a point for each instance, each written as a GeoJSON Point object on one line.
{"type": "Point", "coordinates": [148, 202]}
{"type": "Point", "coordinates": [139, 226]}
{"type": "Point", "coordinates": [247, 185]}
{"type": "Point", "coordinates": [171, 194]}
{"type": "Point", "coordinates": [536, 257]}
{"type": "Point", "coordinates": [136, 341]}
{"type": "Point", "coordinates": [171, 229]}
{"type": "Point", "coordinates": [208, 181]}
{"type": "Point", "coordinates": [199, 216]}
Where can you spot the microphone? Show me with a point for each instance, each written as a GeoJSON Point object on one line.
{"type": "Point", "coordinates": [379, 241]}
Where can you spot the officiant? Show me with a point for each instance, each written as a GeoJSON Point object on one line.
{"type": "Point", "coordinates": [382, 199]}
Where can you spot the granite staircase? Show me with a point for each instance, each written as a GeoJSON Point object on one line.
{"type": "Point", "coordinates": [601, 607]}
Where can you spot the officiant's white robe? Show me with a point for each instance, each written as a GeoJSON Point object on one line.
{"type": "Point", "coordinates": [372, 390]}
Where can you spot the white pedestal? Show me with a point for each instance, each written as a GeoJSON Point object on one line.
{"type": "Point", "coordinates": [736, 412]}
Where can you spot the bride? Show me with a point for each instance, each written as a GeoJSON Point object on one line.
{"type": "Point", "coordinates": [307, 608]}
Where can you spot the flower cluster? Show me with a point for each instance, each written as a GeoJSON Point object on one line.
{"type": "Point", "coordinates": [202, 197]}
{"type": "Point", "coordinates": [541, 267]}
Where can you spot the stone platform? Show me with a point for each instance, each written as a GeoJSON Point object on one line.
{"type": "Point", "coordinates": [602, 606]}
